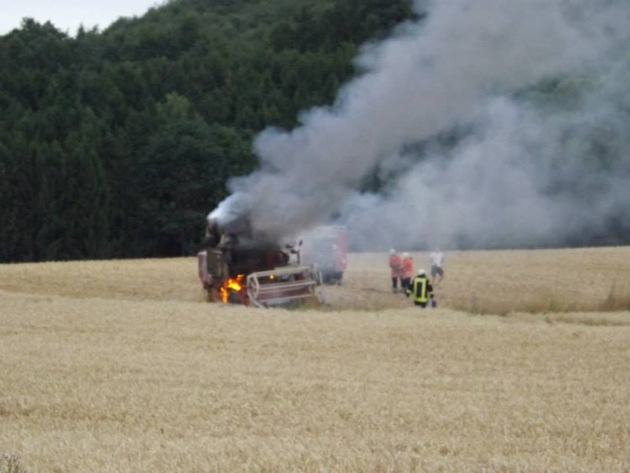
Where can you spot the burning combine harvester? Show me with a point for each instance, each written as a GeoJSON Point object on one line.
{"type": "Point", "coordinates": [237, 267]}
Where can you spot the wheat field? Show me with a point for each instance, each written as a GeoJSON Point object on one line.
{"type": "Point", "coordinates": [120, 366]}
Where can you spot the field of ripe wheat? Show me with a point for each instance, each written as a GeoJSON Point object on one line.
{"type": "Point", "coordinates": [121, 366]}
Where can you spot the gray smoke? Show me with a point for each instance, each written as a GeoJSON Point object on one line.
{"type": "Point", "coordinates": [521, 173]}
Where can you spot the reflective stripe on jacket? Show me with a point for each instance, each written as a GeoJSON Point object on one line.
{"type": "Point", "coordinates": [421, 289]}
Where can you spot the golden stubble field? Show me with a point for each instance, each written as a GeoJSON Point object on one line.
{"type": "Point", "coordinates": [119, 366]}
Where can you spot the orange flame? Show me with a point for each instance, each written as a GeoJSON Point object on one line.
{"type": "Point", "coordinates": [232, 284]}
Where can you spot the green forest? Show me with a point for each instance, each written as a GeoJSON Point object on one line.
{"type": "Point", "coordinates": [117, 143]}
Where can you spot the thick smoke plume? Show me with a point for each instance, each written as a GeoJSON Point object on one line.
{"type": "Point", "coordinates": [517, 171]}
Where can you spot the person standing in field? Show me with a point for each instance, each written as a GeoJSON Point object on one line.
{"type": "Point", "coordinates": [407, 270]}
{"type": "Point", "coordinates": [421, 290]}
{"type": "Point", "coordinates": [395, 266]}
{"type": "Point", "coordinates": [437, 270]}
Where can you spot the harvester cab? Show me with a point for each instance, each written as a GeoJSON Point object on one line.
{"type": "Point", "coordinates": [236, 268]}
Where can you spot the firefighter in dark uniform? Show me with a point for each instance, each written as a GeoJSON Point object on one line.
{"type": "Point", "coordinates": [421, 290]}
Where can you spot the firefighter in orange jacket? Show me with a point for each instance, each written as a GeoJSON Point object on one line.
{"type": "Point", "coordinates": [395, 264]}
{"type": "Point", "coordinates": [421, 289]}
{"type": "Point", "coordinates": [407, 270]}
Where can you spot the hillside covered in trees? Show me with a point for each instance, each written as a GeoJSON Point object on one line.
{"type": "Point", "coordinates": [117, 143]}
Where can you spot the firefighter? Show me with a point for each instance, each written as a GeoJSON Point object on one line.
{"type": "Point", "coordinates": [407, 270]}
{"type": "Point", "coordinates": [395, 265]}
{"type": "Point", "coordinates": [421, 289]}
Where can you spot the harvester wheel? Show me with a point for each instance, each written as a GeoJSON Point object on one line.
{"type": "Point", "coordinates": [212, 295]}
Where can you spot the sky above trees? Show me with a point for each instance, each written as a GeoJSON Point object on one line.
{"type": "Point", "coordinates": [69, 15]}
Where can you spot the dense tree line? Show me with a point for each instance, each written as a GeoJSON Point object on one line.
{"type": "Point", "coordinates": [117, 143]}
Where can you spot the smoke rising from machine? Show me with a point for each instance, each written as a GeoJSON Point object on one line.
{"type": "Point", "coordinates": [519, 172]}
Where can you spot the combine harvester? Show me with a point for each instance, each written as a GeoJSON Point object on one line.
{"type": "Point", "coordinates": [236, 268]}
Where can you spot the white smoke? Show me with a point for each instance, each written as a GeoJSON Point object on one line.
{"type": "Point", "coordinates": [458, 68]}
